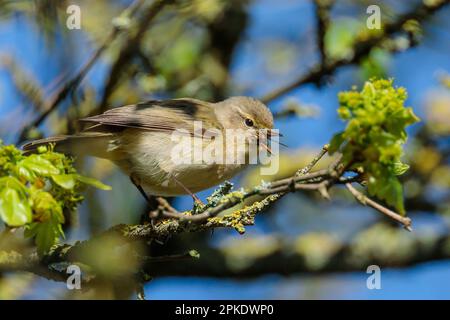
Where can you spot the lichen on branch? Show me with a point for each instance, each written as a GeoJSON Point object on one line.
{"type": "Point", "coordinates": [368, 152]}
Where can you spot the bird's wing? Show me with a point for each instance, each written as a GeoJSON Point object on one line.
{"type": "Point", "coordinates": [154, 115]}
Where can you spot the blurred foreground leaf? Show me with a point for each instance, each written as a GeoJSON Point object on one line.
{"type": "Point", "coordinates": [36, 189]}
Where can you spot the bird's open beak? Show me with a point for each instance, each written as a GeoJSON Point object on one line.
{"type": "Point", "coordinates": [265, 146]}
{"type": "Point", "coordinates": [270, 134]}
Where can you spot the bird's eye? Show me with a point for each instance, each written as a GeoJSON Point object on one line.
{"type": "Point", "coordinates": [249, 122]}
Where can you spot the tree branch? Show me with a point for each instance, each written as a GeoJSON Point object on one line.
{"type": "Point", "coordinates": [73, 83]}
{"type": "Point", "coordinates": [322, 22]}
{"type": "Point", "coordinates": [204, 218]}
{"type": "Point", "coordinates": [361, 48]}
{"type": "Point", "coordinates": [369, 202]}
{"type": "Point", "coordinates": [312, 253]}
{"type": "Point", "coordinates": [130, 48]}
{"type": "Point", "coordinates": [329, 255]}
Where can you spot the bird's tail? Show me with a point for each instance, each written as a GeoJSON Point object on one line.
{"type": "Point", "coordinates": [32, 146]}
{"type": "Point", "coordinates": [86, 143]}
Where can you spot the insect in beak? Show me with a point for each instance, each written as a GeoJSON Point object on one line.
{"type": "Point", "coordinates": [271, 133]}
{"type": "Point", "coordinates": [265, 146]}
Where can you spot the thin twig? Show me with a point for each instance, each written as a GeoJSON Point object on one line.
{"type": "Point", "coordinates": [361, 49]}
{"type": "Point", "coordinates": [129, 50]}
{"type": "Point", "coordinates": [296, 178]}
{"type": "Point", "coordinates": [229, 202]}
{"type": "Point", "coordinates": [367, 201]}
{"type": "Point", "coordinates": [294, 187]}
{"type": "Point", "coordinates": [174, 257]}
{"type": "Point", "coordinates": [313, 162]}
{"type": "Point", "coordinates": [322, 21]}
{"type": "Point", "coordinates": [73, 83]}
{"type": "Point", "coordinates": [278, 188]}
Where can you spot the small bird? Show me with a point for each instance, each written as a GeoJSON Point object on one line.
{"type": "Point", "coordinates": [139, 139]}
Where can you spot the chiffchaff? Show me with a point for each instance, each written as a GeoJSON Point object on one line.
{"type": "Point", "coordinates": [139, 139]}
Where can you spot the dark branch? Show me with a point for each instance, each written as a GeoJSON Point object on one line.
{"type": "Point", "coordinates": [129, 50]}
{"type": "Point", "coordinates": [73, 83]}
{"type": "Point", "coordinates": [322, 22]}
{"type": "Point", "coordinates": [361, 49]}
{"type": "Point", "coordinates": [284, 258]}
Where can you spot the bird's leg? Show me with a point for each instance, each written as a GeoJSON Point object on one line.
{"type": "Point", "coordinates": [158, 205]}
{"type": "Point", "coordinates": [194, 197]}
{"type": "Point", "coordinates": [141, 190]}
{"type": "Point", "coordinates": [165, 205]}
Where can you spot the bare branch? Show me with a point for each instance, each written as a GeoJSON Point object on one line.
{"type": "Point", "coordinates": [322, 21]}
{"type": "Point", "coordinates": [130, 48]}
{"type": "Point", "coordinates": [73, 83]}
{"type": "Point", "coordinates": [278, 188]}
{"type": "Point", "coordinates": [339, 256]}
{"type": "Point", "coordinates": [369, 202]}
{"type": "Point", "coordinates": [361, 48]}
{"type": "Point", "coordinates": [313, 162]}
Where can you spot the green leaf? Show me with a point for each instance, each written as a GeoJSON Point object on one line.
{"type": "Point", "coordinates": [400, 168]}
{"type": "Point", "coordinates": [93, 182]}
{"type": "Point", "coordinates": [46, 207]}
{"type": "Point", "coordinates": [394, 195]}
{"type": "Point", "coordinates": [42, 149]}
{"type": "Point", "coordinates": [25, 173]}
{"type": "Point", "coordinates": [14, 183]}
{"type": "Point", "coordinates": [25, 199]}
{"type": "Point", "coordinates": [336, 142]}
{"type": "Point", "coordinates": [14, 211]}
{"type": "Point", "coordinates": [194, 254]}
{"type": "Point", "coordinates": [344, 113]}
{"type": "Point", "coordinates": [340, 37]}
{"type": "Point", "coordinates": [46, 234]}
{"type": "Point", "coordinates": [375, 64]}
{"type": "Point", "coordinates": [66, 181]}
{"type": "Point", "coordinates": [376, 133]}
{"type": "Point", "coordinates": [39, 165]}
